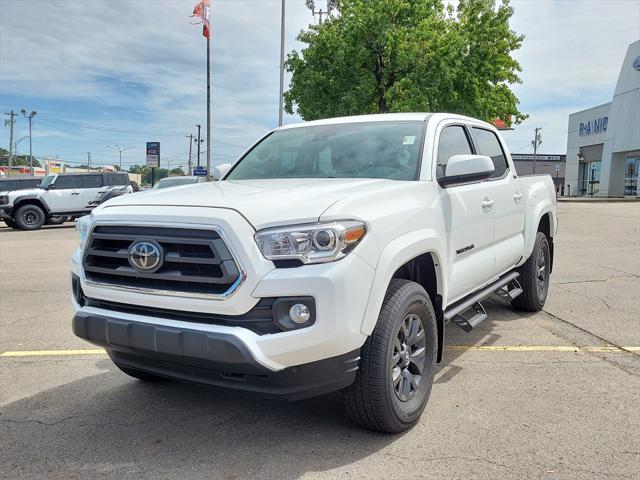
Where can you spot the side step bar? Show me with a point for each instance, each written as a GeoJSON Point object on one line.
{"type": "Point", "coordinates": [469, 312]}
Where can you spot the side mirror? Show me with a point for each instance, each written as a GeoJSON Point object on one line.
{"type": "Point", "coordinates": [221, 170]}
{"type": "Point", "coordinates": [51, 187]}
{"type": "Point", "coordinates": [466, 169]}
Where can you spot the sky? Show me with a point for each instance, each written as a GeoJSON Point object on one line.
{"type": "Point", "coordinates": [105, 72]}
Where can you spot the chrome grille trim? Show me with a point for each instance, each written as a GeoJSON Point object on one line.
{"type": "Point", "coordinates": [172, 258]}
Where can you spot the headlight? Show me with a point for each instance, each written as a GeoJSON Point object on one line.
{"type": "Point", "coordinates": [4, 199]}
{"type": "Point", "coordinates": [82, 227]}
{"type": "Point", "coordinates": [312, 243]}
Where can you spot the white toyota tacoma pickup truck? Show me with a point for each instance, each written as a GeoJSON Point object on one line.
{"type": "Point", "coordinates": [330, 256]}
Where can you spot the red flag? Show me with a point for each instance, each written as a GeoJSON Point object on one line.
{"type": "Point", "coordinates": [202, 10]}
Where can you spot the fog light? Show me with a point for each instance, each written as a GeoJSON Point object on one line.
{"type": "Point", "coordinates": [291, 313]}
{"type": "Point", "coordinates": [300, 313]}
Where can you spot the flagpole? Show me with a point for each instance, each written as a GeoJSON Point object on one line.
{"type": "Point", "coordinates": [209, 105]}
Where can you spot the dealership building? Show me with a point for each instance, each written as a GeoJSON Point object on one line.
{"type": "Point", "coordinates": [603, 145]}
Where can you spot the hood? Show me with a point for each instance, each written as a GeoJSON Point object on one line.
{"type": "Point", "coordinates": [263, 203]}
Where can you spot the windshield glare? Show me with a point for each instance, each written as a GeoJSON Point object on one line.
{"type": "Point", "coordinates": [172, 182]}
{"type": "Point", "coordinates": [389, 150]}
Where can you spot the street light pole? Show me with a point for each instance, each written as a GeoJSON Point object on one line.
{"type": "Point", "coordinates": [120, 150]}
{"type": "Point", "coordinates": [30, 118]}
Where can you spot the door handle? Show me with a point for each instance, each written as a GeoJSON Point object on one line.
{"type": "Point", "coordinates": [75, 193]}
{"type": "Point", "coordinates": [487, 204]}
{"type": "Point", "coordinates": [517, 197]}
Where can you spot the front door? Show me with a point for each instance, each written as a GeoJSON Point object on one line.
{"type": "Point", "coordinates": [64, 194]}
{"type": "Point", "coordinates": [469, 219]}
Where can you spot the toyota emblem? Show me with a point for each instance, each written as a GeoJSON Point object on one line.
{"type": "Point", "coordinates": [145, 255]}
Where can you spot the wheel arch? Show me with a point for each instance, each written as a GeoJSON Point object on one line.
{"type": "Point", "coordinates": [416, 257]}
{"type": "Point", "coordinates": [31, 200]}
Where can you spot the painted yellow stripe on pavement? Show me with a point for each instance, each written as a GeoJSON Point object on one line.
{"type": "Point", "coordinates": [539, 348]}
{"type": "Point", "coordinates": [470, 348]}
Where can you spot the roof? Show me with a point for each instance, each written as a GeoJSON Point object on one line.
{"type": "Point", "coordinates": [387, 117]}
{"type": "Point", "coordinates": [379, 117]}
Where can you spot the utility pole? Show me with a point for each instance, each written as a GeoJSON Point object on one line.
{"type": "Point", "coordinates": [10, 122]}
{"type": "Point", "coordinates": [282, 29]}
{"type": "Point", "coordinates": [88, 161]}
{"type": "Point", "coordinates": [30, 118]}
{"type": "Point", "coordinates": [536, 142]}
{"type": "Point", "coordinates": [199, 142]}
{"type": "Point", "coordinates": [190, 137]}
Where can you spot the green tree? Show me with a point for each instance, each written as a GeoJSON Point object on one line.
{"type": "Point", "coordinates": [382, 56]}
{"type": "Point", "coordinates": [22, 160]}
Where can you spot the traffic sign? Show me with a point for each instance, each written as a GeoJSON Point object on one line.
{"type": "Point", "coordinates": [200, 172]}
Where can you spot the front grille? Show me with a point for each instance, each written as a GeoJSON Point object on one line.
{"type": "Point", "coordinates": [194, 261]}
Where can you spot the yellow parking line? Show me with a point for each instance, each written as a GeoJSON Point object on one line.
{"type": "Point", "coordinates": [47, 353]}
{"type": "Point", "coordinates": [471, 348]}
{"type": "Point", "coordinates": [539, 348]}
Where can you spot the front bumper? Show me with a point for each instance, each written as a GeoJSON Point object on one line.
{"type": "Point", "coordinates": [210, 357]}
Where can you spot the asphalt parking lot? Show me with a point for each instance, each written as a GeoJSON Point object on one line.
{"type": "Point", "coordinates": [550, 395]}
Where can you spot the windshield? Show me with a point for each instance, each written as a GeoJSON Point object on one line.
{"type": "Point", "coordinates": [174, 181]}
{"type": "Point", "coordinates": [46, 181]}
{"type": "Point", "coordinates": [388, 150]}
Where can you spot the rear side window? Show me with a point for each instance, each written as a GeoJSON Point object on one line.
{"type": "Point", "coordinates": [64, 182]}
{"type": "Point", "coordinates": [91, 181]}
{"type": "Point", "coordinates": [112, 179]}
{"type": "Point", "coordinates": [488, 144]}
{"type": "Point", "coordinates": [453, 141]}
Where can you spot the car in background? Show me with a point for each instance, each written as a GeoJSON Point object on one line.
{"type": "Point", "coordinates": [12, 184]}
{"type": "Point", "coordinates": [71, 195]}
{"type": "Point", "coordinates": [178, 181]}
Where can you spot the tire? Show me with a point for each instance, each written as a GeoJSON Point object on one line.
{"type": "Point", "coordinates": [140, 375]}
{"type": "Point", "coordinates": [534, 277]}
{"type": "Point", "coordinates": [10, 222]}
{"type": "Point", "coordinates": [29, 217]}
{"type": "Point", "coordinates": [57, 220]}
{"type": "Point", "coordinates": [374, 400]}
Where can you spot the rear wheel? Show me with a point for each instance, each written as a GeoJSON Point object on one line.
{"type": "Point", "coordinates": [57, 220]}
{"type": "Point", "coordinates": [398, 362]}
{"type": "Point", "coordinates": [29, 217]}
{"type": "Point", "coordinates": [534, 277]}
{"type": "Point", "coordinates": [140, 375]}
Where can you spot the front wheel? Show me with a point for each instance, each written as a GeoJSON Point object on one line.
{"type": "Point", "coordinates": [397, 363]}
{"type": "Point", "coordinates": [534, 277]}
{"type": "Point", "coordinates": [29, 217]}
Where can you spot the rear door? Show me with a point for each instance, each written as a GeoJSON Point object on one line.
{"type": "Point", "coordinates": [92, 188]}
{"type": "Point", "coordinates": [64, 194]}
{"type": "Point", "coordinates": [508, 208]}
{"type": "Point", "coordinates": [468, 221]}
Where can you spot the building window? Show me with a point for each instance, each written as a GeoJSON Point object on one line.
{"type": "Point", "coordinates": [631, 176]}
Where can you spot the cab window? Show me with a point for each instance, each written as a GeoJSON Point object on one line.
{"type": "Point", "coordinates": [487, 144]}
{"type": "Point", "coordinates": [453, 141]}
{"type": "Point", "coordinates": [64, 182]}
